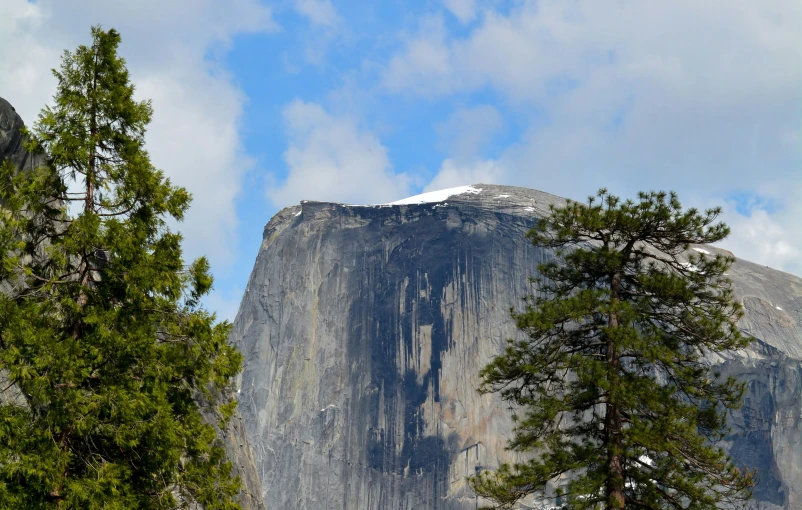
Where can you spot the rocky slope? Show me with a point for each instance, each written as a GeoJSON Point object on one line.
{"type": "Point", "coordinates": [235, 440]}
{"type": "Point", "coordinates": [364, 329]}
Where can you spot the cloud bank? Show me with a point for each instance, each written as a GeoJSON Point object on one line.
{"type": "Point", "coordinates": [700, 97]}
{"type": "Point", "coordinates": [330, 158]}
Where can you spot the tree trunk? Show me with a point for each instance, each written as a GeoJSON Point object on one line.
{"type": "Point", "coordinates": [84, 268]}
{"type": "Point", "coordinates": [614, 488]}
{"type": "Point", "coordinates": [90, 174]}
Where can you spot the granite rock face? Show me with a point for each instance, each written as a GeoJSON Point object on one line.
{"type": "Point", "coordinates": [364, 329]}
{"type": "Point", "coordinates": [234, 438]}
{"type": "Point", "coordinates": [12, 139]}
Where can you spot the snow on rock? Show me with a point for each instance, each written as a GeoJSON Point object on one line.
{"type": "Point", "coordinates": [437, 196]}
{"type": "Point", "coordinates": [700, 250]}
{"type": "Point", "coordinates": [503, 196]}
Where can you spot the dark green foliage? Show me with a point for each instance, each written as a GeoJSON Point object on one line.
{"type": "Point", "coordinates": [610, 382]}
{"type": "Point", "coordinates": [101, 333]}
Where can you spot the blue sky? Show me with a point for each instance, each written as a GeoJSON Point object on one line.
{"type": "Point", "coordinates": [261, 104]}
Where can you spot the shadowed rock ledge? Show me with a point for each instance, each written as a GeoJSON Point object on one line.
{"type": "Point", "coordinates": [364, 329]}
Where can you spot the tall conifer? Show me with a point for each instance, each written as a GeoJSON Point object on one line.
{"type": "Point", "coordinates": [103, 340]}
{"type": "Point", "coordinates": [611, 383]}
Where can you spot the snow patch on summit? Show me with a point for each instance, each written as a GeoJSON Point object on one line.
{"type": "Point", "coordinates": [437, 196]}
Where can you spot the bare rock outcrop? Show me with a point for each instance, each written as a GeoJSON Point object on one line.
{"type": "Point", "coordinates": [364, 329]}
{"type": "Point", "coordinates": [12, 139]}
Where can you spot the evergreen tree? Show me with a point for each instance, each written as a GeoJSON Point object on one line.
{"type": "Point", "coordinates": [102, 336]}
{"type": "Point", "coordinates": [610, 381]}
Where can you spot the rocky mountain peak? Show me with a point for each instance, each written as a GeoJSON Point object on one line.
{"type": "Point", "coordinates": [364, 328]}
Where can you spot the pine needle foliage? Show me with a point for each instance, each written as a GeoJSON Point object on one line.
{"type": "Point", "coordinates": [610, 382]}
{"type": "Point", "coordinates": [102, 336]}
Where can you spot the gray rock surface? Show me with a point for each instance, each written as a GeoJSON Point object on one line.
{"type": "Point", "coordinates": [235, 440]}
{"type": "Point", "coordinates": [11, 138]}
{"type": "Point", "coordinates": [364, 329]}
{"type": "Point", "coordinates": [240, 453]}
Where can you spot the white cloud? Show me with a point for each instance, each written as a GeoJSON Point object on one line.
{"type": "Point", "coordinates": [25, 78]}
{"type": "Point", "coordinates": [699, 97]}
{"type": "Point", "coordinates": [319, 12]}
{"type": "Point", "coordinates": [197, 107]}
{"type": "Point", "coordinates": [452, 174]}
{"type": "Point", "coordinates": [768, 238]}
{"type": "Point", "coordinates": [468, 131]}
{"type": "Point", "coordinates": [762, 239]}
{"type": "Point", "coordinates": [695, 46]}
{"type": "Point", "coordinates": [196, 120]}
{"type": "Point", "coordinates": [315, 41]}
{"type": "Point", "coordinates": [463, 136]}
{"type": "Point", "coordinates": [330, 158]}
{"type": "Point", "coordinates": [426, 67]}
{"type": "Point", "coordinates": [463, 10]}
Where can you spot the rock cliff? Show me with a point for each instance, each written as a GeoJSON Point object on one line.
{"type": "Point", "coordinates": [12, 139]}
{"type": "Point", "coordinates": [234, 438]}
{"type": "Point", "coordinates": [364, 329]}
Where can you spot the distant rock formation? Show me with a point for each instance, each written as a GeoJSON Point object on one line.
{"type": "Point", "coordinates": [234, 438]}
{"type": "Point", "coordinates": [11, 138]}
{"type": "Point", "coordinates": [364, 329]}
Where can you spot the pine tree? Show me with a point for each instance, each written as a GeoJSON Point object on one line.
{"type": "Point", "coordinates": [610, 381]}
{"type": "Point", "coordinates": [117, 369]}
